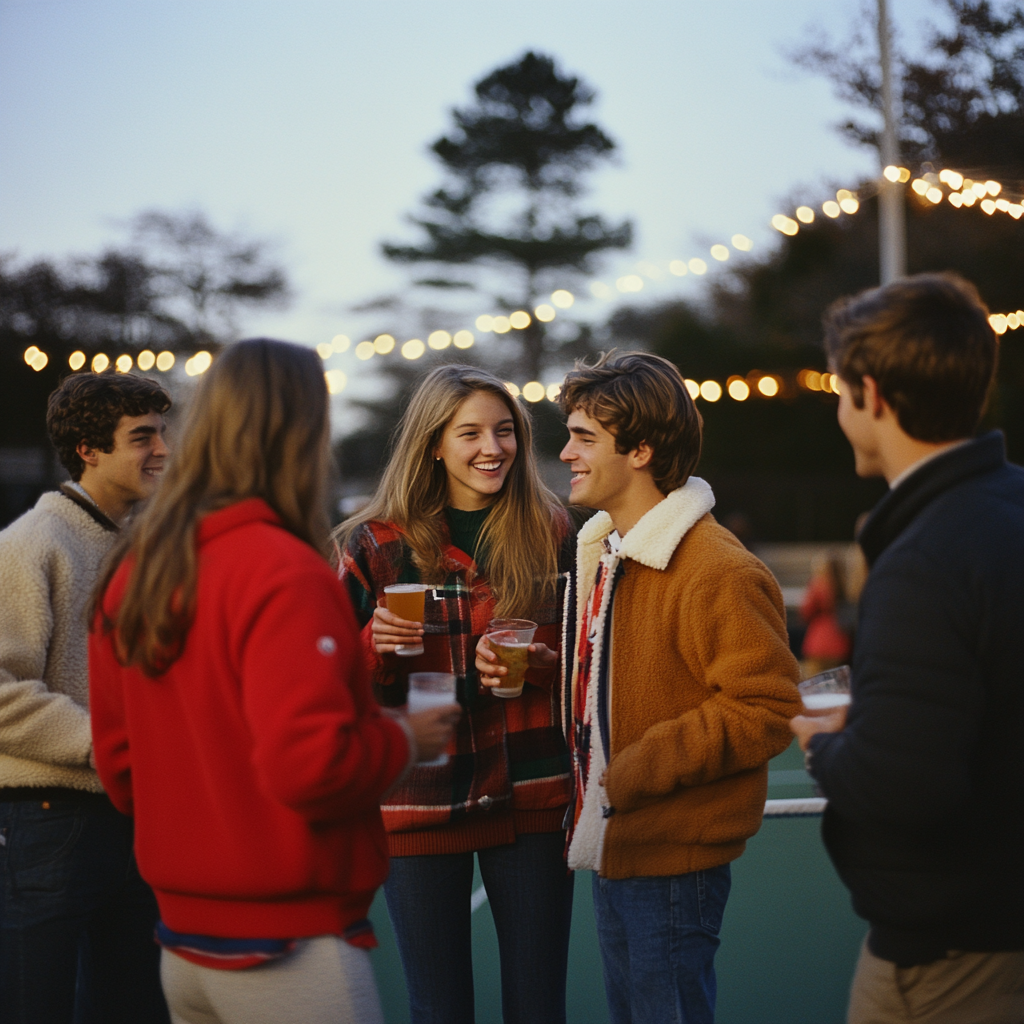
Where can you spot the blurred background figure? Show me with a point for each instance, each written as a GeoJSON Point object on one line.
{"type": "Point", "coordinates": [828, 613]}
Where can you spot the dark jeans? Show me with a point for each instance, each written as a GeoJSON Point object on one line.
{"type": "Point", "coordinates": [76, 920]}
{"type": "Point", "coordinates": [658, 939]}
{"type": "Point", "coordinates": [530, 893]}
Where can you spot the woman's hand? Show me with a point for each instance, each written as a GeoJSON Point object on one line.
{"type": "Point", "coordinates": [433, 730]}
{"type": "Point", "coordinates": [389, 631]}
{"type": "Point", "coordinates": [491, 671]}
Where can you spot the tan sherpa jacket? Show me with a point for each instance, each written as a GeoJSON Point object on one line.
{"type": "Point", "coordinates": [49, 561]}
{"type": "Point", "coordinates": [702, 686]}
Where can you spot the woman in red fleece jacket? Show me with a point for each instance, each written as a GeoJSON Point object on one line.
{"type": "Point", "coordinates": [233, 718]}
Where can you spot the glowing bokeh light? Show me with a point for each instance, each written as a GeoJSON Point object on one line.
{"type": "Point", "coordinates": [383, 344]}
{"type": "Point", "coordinates": [519, 319]}
{"type": "Point", "coordinates": [934, 195]}
{"type": "Point", "coordinates": [952, 178]}
{"type": "Point", "coordinates": [955, 199]}
{"type": "Point", "coordinates": [485, 323]}
{"type": "Point", "coordinates": [997, 321]}
{"type": "Point", "coordinates": [600, 290]}
{"type": "Point", "coordinates": [562, 299]}
{"type": "Point", "coordinates": [920, 186]}
{"type": "Point", "coordinates": [849, 205]}
{"type": "Point", "coordinates": [29, 354]}
{"type": "Point", "coordinates": [785, 224]}
{"type": "Point", "coordinates": [39, 360]}
{"type": "Point", "coordinates": [512, 389]}
{"type": "Point", "coordinates": [693, 387]}
{"type": "Point", "coordinates": [698, 267]}
{"type": "Point", "coordinates": [738, 389]}
{"type": "Point", "coordinates": [463, 339]}
{"type": "Point", "coordinates": [165, 361]}
{"type": "Point", "coordinates": [720, 252]}
{"type": "Point", "coordinates": [833, 379]}
{"type": "Point", "coordinates": [677, 267]}
{"type": "Point", "coordinates": [99, 362]}
{"type": "Point", "coordinates": [77, 360]}
{"type": "Point", "coordinates": [336, 381]}
{"type": "Point", "coordinates": [413, 348]}
{"type": "Point", "coordinates": [439, 340]}
{"type": "Point", "coordinates": [988, 206]}
{"type": "Point", "coordinates": [825, 382]}
{"type": "Point", "coordinates": [805, 215]}
{"type": "Point", "coordinates": [742, 243]}
{"type": "Point", "coordinates": [365, 350]}
{"type": "Point", "coordinates": [768, 386]}
{"type": "Point", "coordinates": [891, 173]}
{"type": "Point", "coordinates": [979, 188]}
{"type": "Point", "coordinates": [146, 360]}
{"type": "Point", "coordinates": [123, 363]}
{"type": "Point", "coordinates": [993, 188]}
{"type": "Point", "coordinates": [553, 391]}
{"type": "Point", "coordinates": [830, 208]}
{"type": "Point", "coordinates": [544, 313]}
{"type": "Point", "coordinates": [533, 391]}
{"type": "Point", "coordinates": [325, 350]}
{"type": "Point", "coordinates": [501, 324]}
{"type": "Point", "coordinates": [340, 342]}
{"type": "Point", "coordinates": [969, 196]}
{"type": "Point", "coordinates": [630, 283]}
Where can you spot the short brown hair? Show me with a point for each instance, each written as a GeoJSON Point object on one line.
{"type": "Point", "coordinates": [88, 407]}
{"type": "Point", "coordinates": [927, 342]}
{"type": "Point", "coordinates": [640, 397]}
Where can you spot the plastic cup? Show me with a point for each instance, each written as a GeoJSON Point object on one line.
{"type": "Point", "coordinates": [430, 690]}
{"type": "Point", "coordinates": [826, 691]}
{"type": "Point", "coordinates": [406, 601]}
{"type": "Point", "coordinates": [510, 640]}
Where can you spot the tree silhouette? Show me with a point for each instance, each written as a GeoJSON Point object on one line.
{"type": "Point", "coordinates": [514, 164]}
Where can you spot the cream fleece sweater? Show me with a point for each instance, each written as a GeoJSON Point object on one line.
{"type": "Point", "coordinates": [49, 561]}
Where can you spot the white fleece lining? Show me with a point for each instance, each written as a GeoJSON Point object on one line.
{"type": "Point", "coordinates": [651, 542]}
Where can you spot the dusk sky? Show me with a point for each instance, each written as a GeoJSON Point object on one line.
{"type": "Point", "coordinates": [307, 123]}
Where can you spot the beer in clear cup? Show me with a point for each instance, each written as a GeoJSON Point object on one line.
{"type": "Point", "coordinates": [406, 601]}
{"type": "Point", "coordinates": [510, 640]}
{"type": "Point", "coordinates": [824, 693]}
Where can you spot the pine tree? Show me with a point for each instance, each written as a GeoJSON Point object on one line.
{"type": "Point", "coordinates": [514, 164]}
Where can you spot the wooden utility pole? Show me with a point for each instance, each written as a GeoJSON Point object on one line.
{"type": "Point", "coordinates": [892, 226]}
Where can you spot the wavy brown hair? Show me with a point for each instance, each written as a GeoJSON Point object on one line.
{"type": "Point", "coordinates": [524, 527]}
{"type": "Point", "coordinates": [257, 428]}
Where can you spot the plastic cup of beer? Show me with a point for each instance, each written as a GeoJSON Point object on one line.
{"type": "Point", "coordinates": [824, 693]}
{"type": "Point", "coordinates": [430, 690]}
{"type": "Point", "coordinates": [406, 601]}
{"type": "Point", "coordinates": [510, 640]}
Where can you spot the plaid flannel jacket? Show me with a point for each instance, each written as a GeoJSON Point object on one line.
{"type": "Point", "coordinates": [507, 754]}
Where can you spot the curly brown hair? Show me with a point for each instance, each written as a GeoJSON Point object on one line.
{"type": "Point", "coordinates": [88, 407]}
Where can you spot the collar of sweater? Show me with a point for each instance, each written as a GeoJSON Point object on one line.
{"type": "Point", "coordinates": [654, 539]}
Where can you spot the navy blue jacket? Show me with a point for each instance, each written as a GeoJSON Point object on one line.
{"type": "Point", "coordinates": [925, 821]}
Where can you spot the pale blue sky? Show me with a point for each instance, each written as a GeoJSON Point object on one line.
{"type": "Point", "coordinates": [308, 122]}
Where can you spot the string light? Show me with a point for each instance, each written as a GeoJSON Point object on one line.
{"type": "Point", "coordinates": [123, 363]}
{"type": "Point", "coordinates": [336, 381]}
{"type": "Point", "coordinates": [165, 361]}
{"type": "Point", "coordinates": [76, 360]}
{"type": "Point", "coordinates": [146, 360]}
{"type": "Point", "coordinates": [439, 340]}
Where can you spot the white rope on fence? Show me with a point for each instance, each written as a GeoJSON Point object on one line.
{"type": "Point", "coordinates": [806, 807]}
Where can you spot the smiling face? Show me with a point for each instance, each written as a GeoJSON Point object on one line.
{"type": "Point", "coordinates": [130, 471]}
{"type": "Point", "coordinates": [601, 475]}
{"type": "Point", "coordinates": [478, 447]}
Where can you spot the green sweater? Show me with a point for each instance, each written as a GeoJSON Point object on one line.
{"type": "Point", "coordinates": [465, 530]}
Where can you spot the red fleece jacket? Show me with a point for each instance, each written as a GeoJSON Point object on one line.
{"type": "Point", "coordinates": [255, 765]}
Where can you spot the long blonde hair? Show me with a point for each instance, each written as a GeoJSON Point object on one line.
{"type": "Point", "coordinates": [525, 524]}
{"type": "Point", "coordinates": [257, 427]}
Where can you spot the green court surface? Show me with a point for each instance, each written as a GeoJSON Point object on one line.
{"type": "Point", "coordinates": [789, 941]}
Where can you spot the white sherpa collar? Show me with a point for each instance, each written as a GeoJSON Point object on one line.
{"type": "Point", "coordinates": [654, 539]}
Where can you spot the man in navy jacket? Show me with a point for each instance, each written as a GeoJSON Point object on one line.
{"type": "Point", "coordinates": [925, 776]}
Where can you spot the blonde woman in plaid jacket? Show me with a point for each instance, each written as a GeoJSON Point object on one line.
{"type": "Point", "coordinates": [462, 509]}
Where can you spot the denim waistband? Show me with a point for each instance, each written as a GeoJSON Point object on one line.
{"type": "Point", "coordinates": [12, 794]}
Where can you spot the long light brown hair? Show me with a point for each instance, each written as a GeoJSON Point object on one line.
{"type": "Point", "coordinates": [522, 531]}
{"type": "Point", "coordinates": [257, 427]}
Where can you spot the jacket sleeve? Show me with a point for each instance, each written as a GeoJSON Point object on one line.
{"type": "Point", "coordinates": [109, 726]}
{"type": "Point", "coordinates": [35, 723]}
{"type": "Point", "coordinates": [733, 640]}
{"type": "Point", "coordinates": [906, 754]}
{"type": "Point", "coordinates": [320, 743]}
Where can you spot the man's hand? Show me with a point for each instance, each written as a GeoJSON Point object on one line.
{"type": "Point", "coordinates": [389, 631]}
{"type": "Point", "coordinates": [491, 671]}
{"type": "Point", "coordinates": [806, 726]}
{"type": "Point", "coordinates": [433, 730]}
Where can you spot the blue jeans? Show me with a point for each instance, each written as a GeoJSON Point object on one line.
{"type": "Point", "coordinates": [658, 939]}
{"type": "Point", "coordinates": [530, 893]}
{"type": "Point", "coordinates": [76, 920]}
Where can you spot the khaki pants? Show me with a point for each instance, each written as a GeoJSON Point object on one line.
{"type": "Point", "coordinates": [964, 988]}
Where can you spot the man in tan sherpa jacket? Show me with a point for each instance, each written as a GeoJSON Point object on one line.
{"type": "Point", "coordinates": [76, 920]}
{"type": "Point", "coordinates": [679, 684]}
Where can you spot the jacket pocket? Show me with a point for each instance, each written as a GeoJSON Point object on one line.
{"type": "Point", "coordinates": [41, 839]}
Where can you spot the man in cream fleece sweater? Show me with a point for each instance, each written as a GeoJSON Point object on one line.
{"type": "Point", "coordinates": [76, 921]}
{"type": "Point", "coordinates": [679, 684]}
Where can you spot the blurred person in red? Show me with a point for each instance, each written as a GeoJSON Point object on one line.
{"type": "Point", "coordinates": [826, 643]}
{"type": "Point", "coordinates": [232, 714]}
